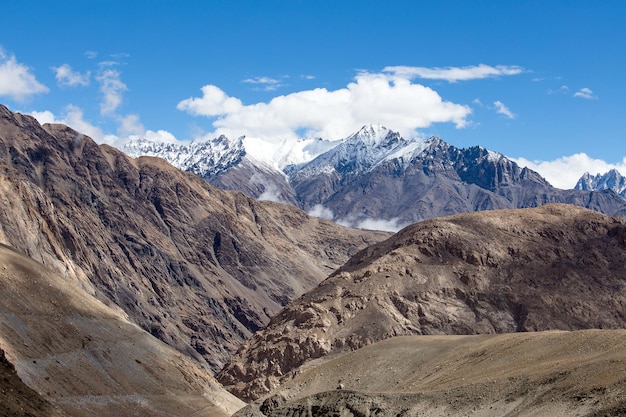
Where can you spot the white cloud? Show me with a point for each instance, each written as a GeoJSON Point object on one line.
{"type": "Point", "coordinates": [161, 136]}
{"type": "Point", "coordinates": [111, 87]}
{"type": "Point", "coordinates": [267, 83]}
{"type": "Point", "coordinates": [391, 225]}
{"type": "Point", "coordinates": [322, 212]}
{"type": "Point", "coordinates": [504, 110]}
{"type": "Point", "coordinates": [74, 118]}
{"type": "Point", "coordinates": [130, 125]}
{"type": "Point", "coordinates": [44, 117]}
{"type": "Point", "coordinates": [270, 190]}
{"type": "Point", "coordinates": [91, 54]}
{"type": "Point", "coordinates": [16, 80]}
{"type": "Point", "coordinates": [454, 74]}
{"type": "Point", "coordinates": [372, 98]}
{"type": "Point", "coordinates": [67, 77]}
{"type": "Point", "coordinates": [214, 102]}
{"type": "Point", "coordinates": [585, 93]}
{"type": "Point", "coordinates": [561, 90]}
{"type": "Point", "coordinates": [565, 171]}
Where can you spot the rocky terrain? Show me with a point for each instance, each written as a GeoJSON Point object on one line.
{"type": "Point", "coordinates": [17, 399]}
{"type": "Point", "coordinates": [88, 359]}
{"type": "Point", "coordinates": [579, 373]}
{"type": "Point", "coordinates": [197, 267]}
{"type": "Point", "coordinates": [553, 267]}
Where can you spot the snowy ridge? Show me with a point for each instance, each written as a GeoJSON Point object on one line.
{"type": "Point", "coordinates": [363, 151]}
{"type": "Point", "coordinates": [611, 180]}
{"type": "Point", "coordinates": [206, 158]}
{"type": "Point", "coordinates": [286, 153]}
{"type": "Point", "coordinates": [298, 160]}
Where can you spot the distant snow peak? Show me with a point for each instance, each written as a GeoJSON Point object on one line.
{"type": "Point", "coordinates": [611, 180]}
{"type": "Point", "coordinates": [372, 134]}
{"type": "Point", "coordinates": [205, 158]}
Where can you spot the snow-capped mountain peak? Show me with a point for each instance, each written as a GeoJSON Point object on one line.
{"type": "Point", "coordinates": [611, 180]}
{"type": "Point", "coordinates": [372, 135]}
{"type": "Point", "coordinates": [204, 158]}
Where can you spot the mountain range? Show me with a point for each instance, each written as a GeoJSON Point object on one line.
{"type": "Point", "coordinates": [129, 287]}
{"type": "Point", "coordinates": [374, 178]}
{"type": "Point", "coordinates": [198, 267]}
{"type": "Point", "coordinates": [611, 180]}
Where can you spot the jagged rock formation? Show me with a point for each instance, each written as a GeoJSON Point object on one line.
{"type": "Point", "coordinates": [87, 359]}
{"type": "Point", "coordinates": [553, 267]}
{"type": "Point", "coordinates": [197, 267]}
{"type": "Point", "coordinates": [611, 180]}
{"type": "Point", "coordinates": [520, 374]}
{"type": "Point", "coordinates": [377, 175]}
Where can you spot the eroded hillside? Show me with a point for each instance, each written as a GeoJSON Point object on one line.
{"type": "Point", "coordinates": [87, 359]}
{"type": "Point", "coordinates": [553, 267]}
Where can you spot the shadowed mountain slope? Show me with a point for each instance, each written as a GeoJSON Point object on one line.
{"type": "Point", "coordinates": [520, 374]}
{"type": "Point", "coordinates": [17, 399]}
{"type": "Point", "coordinates": [553, 267]}
{"type": "Point", "coordinates": [88, 359]}
{"type": "Point", "coordinates": [198, 267]}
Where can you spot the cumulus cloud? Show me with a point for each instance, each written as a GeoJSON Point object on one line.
{"type": "Point", "coordinates": [504, 110]}
{"type": "Point", "coordinates": [454, 74]}
{"type": "Point", "coordinates": [67, 77]}
{"type": "Point", "coordinates": [75, 119]}
{"type": "Point", "coordinates": [112, 88]}
{"type": "Point", "coordinates": [334, 114]}
{"type": "Point", "coordinates": [130, 127]}
{"type": "Point", "coordinates": [16, 80]}
{"type": "Point", "coordinates": [565, 171]}
{"type": "Point", "coordinates": [585, 93]}
{"type": "Point", "coordinates": [44, 117]}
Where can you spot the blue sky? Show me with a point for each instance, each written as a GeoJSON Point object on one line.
{"type": "Point", "coordinates": [540, 81]}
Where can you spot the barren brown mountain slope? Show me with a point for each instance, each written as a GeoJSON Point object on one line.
{"type": "Point", "coordinates": [555, 373]}
{"type": "Point", "coordinates": [19, 400]}
{"type": "Point", "coordinates": [198, 267]}
{"type": "Point", "coordinates": [553, 267]}
{"type": "Point", "coordinates": [88, 359]}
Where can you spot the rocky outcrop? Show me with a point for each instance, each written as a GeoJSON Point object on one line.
{"type": "Point", "coordinates": [553, 267]}
{"type": "Point", "coordinates": [198, 267]}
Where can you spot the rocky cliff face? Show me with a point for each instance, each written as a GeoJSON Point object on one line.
{"type": "Point", "coordinates": [197, 267]}
{"type": "Point", "coordinates": [554, 267]}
